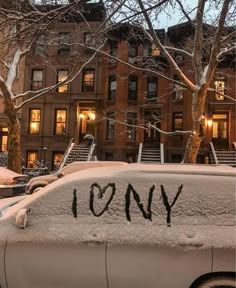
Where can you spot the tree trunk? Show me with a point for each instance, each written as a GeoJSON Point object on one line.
{"type": "Point", "coordinates": [14, 151]}
{"type": "Point", "coordinates": [199, 132]}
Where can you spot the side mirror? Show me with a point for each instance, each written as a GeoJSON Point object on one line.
{"type": "Point", "coordinates": [60, 174]}
{"type": "Point", "coordinates": [21, 218]}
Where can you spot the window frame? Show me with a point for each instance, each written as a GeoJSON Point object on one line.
{"type": "Point", "coordinates": [217, 96]}
{"type": "Point", "coordinates": [110, 126]}
{"type": "Point", "coordinates": [64, 87]}
{"type": "Point", "coordinates": [64, 41]}
{"type": "Point", "coordinates": [133, 94]}
{"type": "Point", "coordinates": [60, 125]}
{"type": "Point", "coordinates": [152, 95]}
{"type": "Point", "coordinates": [31, 162]}
{"type": "Point", "coordinates": [88, 87]}
{"type": "Point", "coordinates": [34, 121]}
{"type": "Point", "coordinates": [175, 117]}
{"type": "Point", "coordinates": [36, 85]}
{"type": "Point", "coordinates": [112, 92]}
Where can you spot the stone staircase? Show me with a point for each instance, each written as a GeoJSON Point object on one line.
{"type": "Point", "coordinates": [227, 157]}
{"type": "Point", "coordinates": [77, 153]}
{"type": "Point", "coordinates": [151, 155]}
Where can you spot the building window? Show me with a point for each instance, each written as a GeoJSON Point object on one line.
{"type": "Point", "coordinates": [177, 121]}
{"type": "Point", "coordinates": [88, 80]}
{"type": "Point", "coordinates": [60, 122]}
{"type": "Point", "coordinates": [113, 52]}
{"type": "Point", "coordinates": [132, 53]}
{"type": "Point", "coordinates": [37, 80]}
{"type": "Point", "coordinates": [151, 88]}
{"type": "Point", "coordinates": [112, 88]}
{"type": "Point", "coordinates": [133, 83]}
{"type": "Point", "coordinates": [110, 132]}
{"type": "Point", "coordinates": [131, 119]}
{"type": "Point", "coordinates": [34, 121]}
{"type": "Point", "coordinates": [62, 75]}
{"type": "Point", "coordinates": [220, 90]}
{"type": "Point", "coordinates": [178, 91]}
{"type": "Point", "coordinates": [39, 46]}
{"type": "Point", "coordinates": [56, 160]}
{"type": "Point", "coordinates": [64, 43]}
{"type": "Point", "coordinates": [3, 139]}
{"type": "Point", "coordinates": [32, 159]}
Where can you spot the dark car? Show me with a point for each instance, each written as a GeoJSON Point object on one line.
{"type": "Point", "coordinates": [11, 183]}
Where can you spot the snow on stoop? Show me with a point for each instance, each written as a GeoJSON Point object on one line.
{"type": "Point", "coordinates": [78, 153]}
{"type": "Point", "coordinates": [227, 157]}
{"type": "Point", "coordinates": [150, 155]}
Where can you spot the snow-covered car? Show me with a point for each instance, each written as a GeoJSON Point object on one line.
{"type": "Point", "coordinates": [36, 183]}
{"type": "Point", "coordinates": [11, 183]}
{"type": "Point", "coordinates": [6, 203]}
{"type": "Point", "coordinates": [131, 226]}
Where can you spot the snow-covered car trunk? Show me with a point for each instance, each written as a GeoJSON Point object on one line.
{"type": "Point", "coordinates": [130, 226]}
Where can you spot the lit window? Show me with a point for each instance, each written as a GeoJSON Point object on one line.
{"type": "Point", "coordinates": [219, 90]}
{"type": "Point", "coordinates": [37, 80]}
{"type": "Point", "coordinates": [57, 158]}
{"type": "Point", "coordinates": [64, 43]}
{"type": "Point", "coordinates": [131, 126]}
{"type": "Point", "coordinates": [32, 158]}
{"type": "Point", "coordinates": [3, 139]}
{"type": "Point", "coordinates": [88, 80]}
{"type": "Point", "coordinates": [62, 75]}
{"type": "Point", "coordinates": [133, 83]}
{"type": "Point", "coordinates": [112, 88]}
{"type": "Point", "coordinates": [34, 121]}
{"type": "Point", "coordinates": [110, 133]}
{"type": "Point", "coordinates": [60, 123]}
{"type": "Point", "coordinates": [177, 121]}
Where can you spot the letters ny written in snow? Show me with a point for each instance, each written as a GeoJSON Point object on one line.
{"type": "Point", "coordinates": [97, 192]}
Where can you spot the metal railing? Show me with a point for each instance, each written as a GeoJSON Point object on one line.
{"type": "Point", "coordinates": [214, 153]}
{"type": "Point", "coordinates": [66, 154]}
{"type": "Point", "coordinates": [140, 152]}
{"type": "Point", "coordinates": [91, 150]}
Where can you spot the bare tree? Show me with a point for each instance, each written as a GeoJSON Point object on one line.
{"type": "Point", "coordinates": [212, 34]}
{"type": "Point", "coordinates": [21, 25]}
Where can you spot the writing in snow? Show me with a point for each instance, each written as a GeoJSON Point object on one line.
{"type": "Point", "coordinates": [97, 192]}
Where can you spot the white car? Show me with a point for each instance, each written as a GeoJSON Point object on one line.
{"type": "Point", "coordinates": [131, 226]}
{"type": "Point", "coordinates": [11, 183]}
{"type": "Point", "coordinates": [36, 183]}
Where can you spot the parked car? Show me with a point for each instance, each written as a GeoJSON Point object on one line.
{"type": "Point", "coordinates": [11, 183]}
{"type": "Point", "coordinates": [36, 183]}
{"type": "Point", "coordinates": [131, 226]}
{"type": "Point", "coordinates": [8, 202]}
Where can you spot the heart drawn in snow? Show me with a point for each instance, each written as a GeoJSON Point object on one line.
{"type": "Point", "coordinates": [109, 190]}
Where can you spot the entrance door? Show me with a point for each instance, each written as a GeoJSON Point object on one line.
{"type": "Point", "coordinates": [86, 123]}
{"type": "Point", "coordinates": [151, 135]}
{"type": "Point", "coordinates": [220, 130]}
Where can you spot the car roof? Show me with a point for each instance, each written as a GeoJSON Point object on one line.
{"type": "Point", "coordinates": [81, 165]}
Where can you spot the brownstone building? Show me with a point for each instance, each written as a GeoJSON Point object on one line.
{"type": "Point", "coordinates": [117, 104]}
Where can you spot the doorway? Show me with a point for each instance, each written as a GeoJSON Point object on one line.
{"type": "Point", "coordinates": [86, 123]}
{"type": "Point", "coordinates": [151, 135]}
{"type": "Point", "coordinates": [220, 130]}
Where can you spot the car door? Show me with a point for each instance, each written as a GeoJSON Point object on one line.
{"type": "Point", "coordinates": [153, 266]}
{"type": "Point", "coordinates": [31, 265]}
